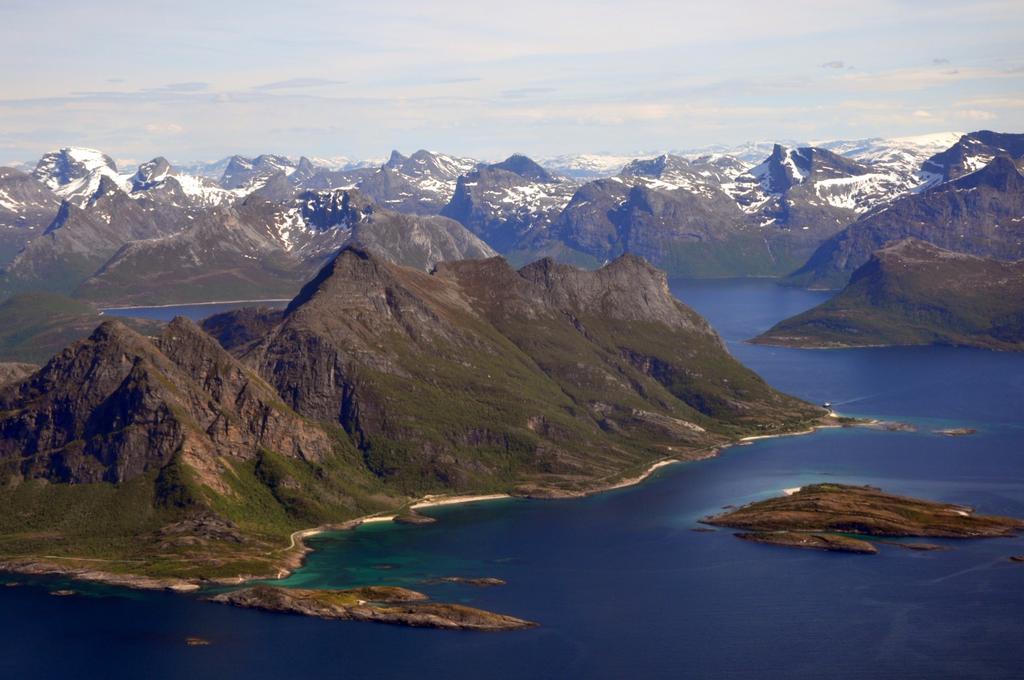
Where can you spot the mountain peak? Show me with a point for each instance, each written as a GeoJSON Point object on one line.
{"type": "Point", "coordinates": [396, 159]}
{"type": "Point", "coordinates": [149, 175]}
{"type": "Point", "coordinates": [71, 163]}
{"type": "Point", "coordinates": [524, 167]}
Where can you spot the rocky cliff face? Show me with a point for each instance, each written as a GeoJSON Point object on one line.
{"type": "Point", "coordinates": [119, 405]}
{"type": "Point", "coordinates": [980, 213]}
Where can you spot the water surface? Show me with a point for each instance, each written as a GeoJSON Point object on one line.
{"type": "Point", "coordinates": [196, 312]}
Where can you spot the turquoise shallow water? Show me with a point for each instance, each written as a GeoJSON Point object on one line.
{"type": "Point", "coordinates": [620, 583]}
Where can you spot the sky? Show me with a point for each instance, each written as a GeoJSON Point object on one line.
{"type": "Point", "coordinates": [202, 80]}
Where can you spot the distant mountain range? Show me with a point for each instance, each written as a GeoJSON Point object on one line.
{"type": "Point", "coordinates": [258, 226]}
{"type": "Point", "coordinates": [914, 293]}
{"type": "Point", "coordinates": [972, 201]}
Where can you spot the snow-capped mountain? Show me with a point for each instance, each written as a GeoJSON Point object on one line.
{"type": "Point", "coordinates": [422, 183]}
{"type": "Point", "coordinates": [980, 212]}
{"type": "Point", "coordinates": [250, 174]}
{"type": "Point", "coordinates": [74, 173]}
{"type": "Point", "coordinates": [702, 176]}
{"type": "Point", "coordinates": [27, 206]}
{"type": "Point", "coordinates": [972, 152]}
{"type": "Point", "coordinates": [859, 181]}
{"type": "Point", "coordinates": [158, 179]}
{"type": "Point", "coordinates": [344, 162]}
{"type": "Point", "coordinates": [502, 202]}
{"type": "Point", "coordinates": [750, 153]}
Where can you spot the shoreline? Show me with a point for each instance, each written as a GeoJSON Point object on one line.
{"type": "Point", "coordinates": [297, 548]}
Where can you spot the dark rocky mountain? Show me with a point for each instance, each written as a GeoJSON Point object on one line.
{"type": "Point", "coordinates": [914, 293]}
{"type": "Point", "coordinates": [534, 377]}
{"type": "Point", "coordinates": [27, 206]}
{"type": "Point", "coordinates": [972, 152]}
{"type": "Point", "coordinates": [981, 213]}
{"type": "Point", "coordinates": [377, 382]}
{"type": "Point", "coordinates": [261, 249]}
{"type": "Point", "coordinates": [683, 231]}
{"type": "Point", "coordinates": [503, 203]}
{"type": "Point", "coordinates": [118, 405]}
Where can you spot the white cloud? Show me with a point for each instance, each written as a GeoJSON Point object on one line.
{"type": "Point", "coordinates": [976, 114]}
{"type": "Point", "coordinates": [164, 128]}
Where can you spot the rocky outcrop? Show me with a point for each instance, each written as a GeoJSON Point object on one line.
{"type": "Point", "coordinates": [817, 516]}
{"type": "Point", "coordinates": [382, 604]}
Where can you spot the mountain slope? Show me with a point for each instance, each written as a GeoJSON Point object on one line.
{"type": "Point", "coordinates": [981, 213]}
{"type": "Point", "coordinates": [480, 376]}
{"type": "Point", "coordinates": [27, 206]}
{"type": "Point", "coordinates": [262, 249]}
{"type": "Point", "coordinates": [914, 293]}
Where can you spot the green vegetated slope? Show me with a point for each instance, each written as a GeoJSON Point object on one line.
{"type": "Point", "coordinates": [914, 293]}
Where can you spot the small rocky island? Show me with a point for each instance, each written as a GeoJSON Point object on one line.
{"type": "Point", "coordinates": [383, 604]}
{"type": "Point", "coordinates": [829, 516]}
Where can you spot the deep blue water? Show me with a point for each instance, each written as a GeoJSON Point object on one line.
{"type": "Point", "coordinates": [196, 312]}
{"type": "Point", "coordinates": [620, 584]}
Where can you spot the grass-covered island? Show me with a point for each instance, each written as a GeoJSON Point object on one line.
{"type": "Point", "coordinates": [383, 604]}
{"type": "Point", "coordinates": [829, 516]}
